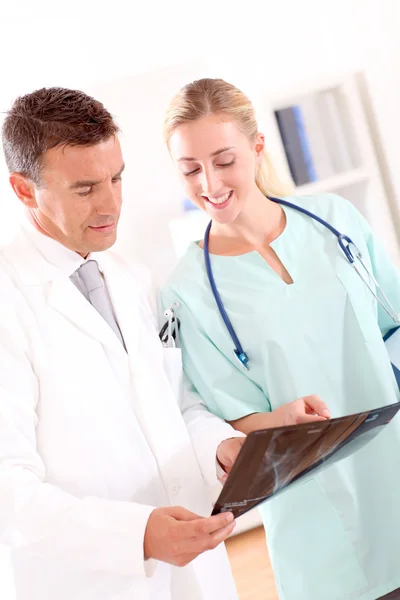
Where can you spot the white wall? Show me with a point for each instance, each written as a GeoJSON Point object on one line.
{"type": "Point", "coordinates": [270, 48]}
{"type": "Point", "coordinates": [294, 44]}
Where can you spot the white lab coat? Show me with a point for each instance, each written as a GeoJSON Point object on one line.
{"type": "Point", "coordinates": [92, 439]}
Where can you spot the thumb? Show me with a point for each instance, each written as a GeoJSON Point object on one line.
{"type": "Point", "coordinates": [314, 404]}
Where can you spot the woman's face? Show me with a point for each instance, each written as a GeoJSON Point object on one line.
{"type": "Point", "coordinates": [217, 163]}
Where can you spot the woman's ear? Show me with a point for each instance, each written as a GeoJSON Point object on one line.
{"type": "Point", "coordinates": [259, 147]}
{"type": "Point", "coordinates": [24, 189]}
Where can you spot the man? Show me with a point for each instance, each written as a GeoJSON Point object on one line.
{"type": "Point", "coordinates": [96, 462]}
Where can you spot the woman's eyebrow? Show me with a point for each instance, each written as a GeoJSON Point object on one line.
{"type": "Point", "coordinates": [190, 158]}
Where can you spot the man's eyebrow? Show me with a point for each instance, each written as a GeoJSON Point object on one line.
{"type": "Point", "coordinates": [91, 183]}
{"type": "Point", "coordinates": [191, 158]}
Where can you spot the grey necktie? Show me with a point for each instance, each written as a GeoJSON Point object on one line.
{"type": "Point", "coordinates": [90, 283]}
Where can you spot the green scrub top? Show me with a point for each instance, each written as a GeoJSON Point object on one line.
{"type": "Point", "coordinates": [336, 535]}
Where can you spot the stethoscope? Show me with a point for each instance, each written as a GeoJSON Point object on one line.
{"type": "Point", "coordinates": [349, 249]}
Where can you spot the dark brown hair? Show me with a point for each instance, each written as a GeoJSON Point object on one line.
{"type": "Point", "coordinates": [51, 117]}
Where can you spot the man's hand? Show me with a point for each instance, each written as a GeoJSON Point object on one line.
{"type": "Point", "coordinates": [227, 453]}
{"type": "Point", "coordinates": [177, 536]}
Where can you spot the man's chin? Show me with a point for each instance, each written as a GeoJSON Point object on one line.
{"type": "Point", "coordinates": [101, 245]}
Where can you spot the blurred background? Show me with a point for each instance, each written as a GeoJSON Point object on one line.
{"type": "Point", "coordinates": [335, 64]}
{"type": "Point", "coordinates": [323, 74]}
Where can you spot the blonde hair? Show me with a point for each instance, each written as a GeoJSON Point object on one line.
{"type": "Point", "coordinates": [214, 96]}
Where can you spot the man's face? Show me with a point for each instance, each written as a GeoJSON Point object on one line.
{"type": "Point", "coordinates": [79, 201]}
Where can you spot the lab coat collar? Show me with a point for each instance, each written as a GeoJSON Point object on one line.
{"type": "Point", "coordinates": [42, 261]}
{"type": "Point", "coordinates": [57, 255]}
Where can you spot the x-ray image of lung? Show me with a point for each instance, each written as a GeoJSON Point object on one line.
{"type": "Point", "coordinates": [272, 459]}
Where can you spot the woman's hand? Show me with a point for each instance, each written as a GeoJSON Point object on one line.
{"type": "Point", "coordinates": [302, 410]}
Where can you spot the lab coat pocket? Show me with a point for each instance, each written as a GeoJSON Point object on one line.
{"type": "Point", "coordinates": [360, 305]}
{"type": "Point", "coordinates": [173, 369]}
{"type": "Point", "coordinates": [311, 552]}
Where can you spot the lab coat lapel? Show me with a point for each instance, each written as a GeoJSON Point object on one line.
{"type": "Point", "coordinates": [65, 298]}
{"type": "Point", "coordinates": [123, 293]}
{"type": "Point", "coordinates": [59, 291]}
{"type": "Point", "coordinates": [145, 357]}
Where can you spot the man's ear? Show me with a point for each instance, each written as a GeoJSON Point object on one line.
{"type": "Point", "coordinates": [24, 189]}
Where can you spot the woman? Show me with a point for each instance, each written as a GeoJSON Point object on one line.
{"type": "Point", "coordinates": [312, 333]}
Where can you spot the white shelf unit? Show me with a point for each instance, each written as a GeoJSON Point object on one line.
{"type": "Point", "coordinates": [335, 182]}
{"type": "Point", "coordinates": [361, 181]}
